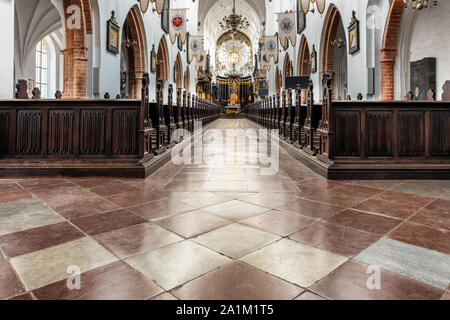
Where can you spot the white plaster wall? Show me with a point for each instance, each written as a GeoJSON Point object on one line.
{"type": "Point", "coordinates": [7, 51]}
{"type": "Point", "coordinates": [431, 39]}
{"type": "Point", "coordinates": [110, 63]}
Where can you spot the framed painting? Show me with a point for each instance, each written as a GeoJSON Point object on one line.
{"type": "Point", "coordinates": [301, 18]}
{"type": "Point", "coordinates": [113, 41]}
{"type": "Point", "coordinates": [353, 35]}
{"type": "Point", "coordinates": [165, 17]}
{"type": "Point", "coordinates": [313, 60]}
{"type": "Point", "coordinates": [153, 60]}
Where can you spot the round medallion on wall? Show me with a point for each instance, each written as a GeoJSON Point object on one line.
{"type": "Point", "coordinates": [271, 45]}
{"type": "Point", "coordinates": [144, 4]}
{"type": "Point", "coordinates": [195, 45]}
{"type": "Point", "coordinates": [287, 25]}
{"type": "Point", "coordinates": [177, 21]}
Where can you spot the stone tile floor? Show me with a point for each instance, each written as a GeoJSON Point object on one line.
{"type": "Point", "coordinates": [225, 231]}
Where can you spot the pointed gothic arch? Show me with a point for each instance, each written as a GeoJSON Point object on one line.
{"type": "Point", "coordinates": [333, 56]}
{"type": "Point", "coordinates": [136, 54]}
{"type": "Point", "coordinates": [187, 79]}
{"type": "Point", "coordinates": [303, 58]}
{"type": "Point", "coordinates": [162, 69]}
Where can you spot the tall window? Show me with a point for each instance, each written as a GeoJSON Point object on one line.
{"type": "Point", "coordinates": [42, 68]}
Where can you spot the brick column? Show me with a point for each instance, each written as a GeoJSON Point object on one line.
{"type": "Point", "coordinates": [387, 71]}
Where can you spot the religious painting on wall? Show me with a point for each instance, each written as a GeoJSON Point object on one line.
{"type": "Point", "coordinates": [301, 18]}
{"type": "Point", "coordinates": [112, 44]}
{"type": "Point", "coordinates": [165, 17]}
{"type": "Point", "coordinates": [353, 35]}
{"type": "Point", "coordinates": [153, 60]}
{"type": "Point", "coordinates": [313, 60]}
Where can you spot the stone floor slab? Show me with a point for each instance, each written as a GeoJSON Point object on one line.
{"type": "Point", "coordinates": [418, 263]}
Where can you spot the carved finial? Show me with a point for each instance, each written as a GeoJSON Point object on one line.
{"type": "Point", "coordinates": [106, 96]}
{"type": "Point", "coordinates": [58, 95]}
{"type": "Point", "coordinates": [360, 96]}
{"type": "Point", "coordinates": [410, 96]}
{"type": "Point", "coordinates": [431, 95]}
{"type": "Point", "coordinates": [21, 89]}
{"type": "Point", "coordinates": [446, 89]}
{"type": "Point", "coordinates": [36, 93]}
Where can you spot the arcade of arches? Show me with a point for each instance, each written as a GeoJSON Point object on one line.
{"type": "Point", "coordinates": [99, 111]}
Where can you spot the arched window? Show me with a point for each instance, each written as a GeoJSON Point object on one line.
{"type": "Point", "coordinates": [42, 68]}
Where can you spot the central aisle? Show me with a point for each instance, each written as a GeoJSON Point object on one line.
{"type": "Point", "coordinates": [225, 231]}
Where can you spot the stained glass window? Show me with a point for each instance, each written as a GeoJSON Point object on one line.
{"type": "Point", "coordinates": [42, 68]}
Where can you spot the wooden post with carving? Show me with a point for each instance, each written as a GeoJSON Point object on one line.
{"type": "Point", "coordinates": [324, 130]}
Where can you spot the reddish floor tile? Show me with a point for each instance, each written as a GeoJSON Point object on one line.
{"type": "Point", "coordinates": [93, 182]}
{"type": "Point", "coordinates": [136, 239]}
{"type": "Point", "coordinates": [82, 206]}
{"type": "Point", "coordinates": [31, 240]}
{"type": "Point", "coordinates": [404, 198]}
{"type": "Point", "coordinates": [116, 281]}
{"type": "Point", "coordinates": [22, 297]}
{"type": "Point", "coordinates": [311, 208]}
{"type": "Point", "coordinates": [334, 238]}
{"type": "Point", "coordinates": [371, 223]}
{"type": "Point", "coordinates": [10, 284]}
{"type": "Point", "coordinates": [278, 222]}
{"type": "Point", "coordinates": [237, 281]}
{"type": "Point", "coordinates": [134, 198]}
{"type": "Point", "coordinates": [423, 236]}
{"type": "Point", "coordinates": [193, 223]}
{"type": "Point", "coordinates": [106, 222]}
{"type": "Point", "coordinates": [395, 210]}
{"type": "Point", "coordinates": [10, 191]}
{"type": "Point", "coordinates": [349, 282]}
{"type": "Point", "coordinates": [436, 214]}
{"type": "Point", "coordinates": [161, 209]}
{"type": "Point", "coordinates": [337, 197]}
{"type": "Point", "coordinates": [32, 183]}
{"type": "Point", "coordinates": [113, 188]}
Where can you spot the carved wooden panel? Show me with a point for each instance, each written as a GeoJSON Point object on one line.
{"type": "Point", "coordinates": [92, 132]}
{"type": "Point", "coordinates": [348, 132]}
{"type": "Point", "coordinates": [125, 129]}
{"type": "Point", "coordinates": [411, 133]}
{"type": "Point", "coordinates": [379, 134]}
{"type": "Point", "coordinates": [29, 132]}
{"type": "Point", "coordinates": [60, 132]}
{"type": "Point", "coordinates": [440, 134]}
{"type": "Point", "coordinates": [4, 131]}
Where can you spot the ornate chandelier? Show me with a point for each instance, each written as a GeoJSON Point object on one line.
{"type": "Point", "coordinates": [420, 4]}
{"type": "Point", "coordinates": [320, 4]}
{"type": "Point", "coordinates": [234, 21]}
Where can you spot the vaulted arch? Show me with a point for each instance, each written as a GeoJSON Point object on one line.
{"type": "Point", "coordinates": [303, 58]}
{"type": "Point", "coordinates": [136, 54]}
{"type": "Point", "coordinates": [334, 52]}
{"type": "Point", "coordinates": [162, 69]}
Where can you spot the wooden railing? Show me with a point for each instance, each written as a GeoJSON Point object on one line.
{"type": "Point", "coordinates": [413, 135]}
{"type": "Point", "coordinates": [101, 131]}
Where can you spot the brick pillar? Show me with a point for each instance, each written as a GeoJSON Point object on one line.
{"type": "Point", "coordinates": [387, 70]}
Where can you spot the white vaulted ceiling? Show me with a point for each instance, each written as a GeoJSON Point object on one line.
{"type": "Point", "coordinates": [211, 12]}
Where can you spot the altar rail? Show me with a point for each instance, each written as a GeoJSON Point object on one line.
{"type": "Point", "coordinates": [94, 137]}
{"type": "Point", "coordinates": [361, 139]}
